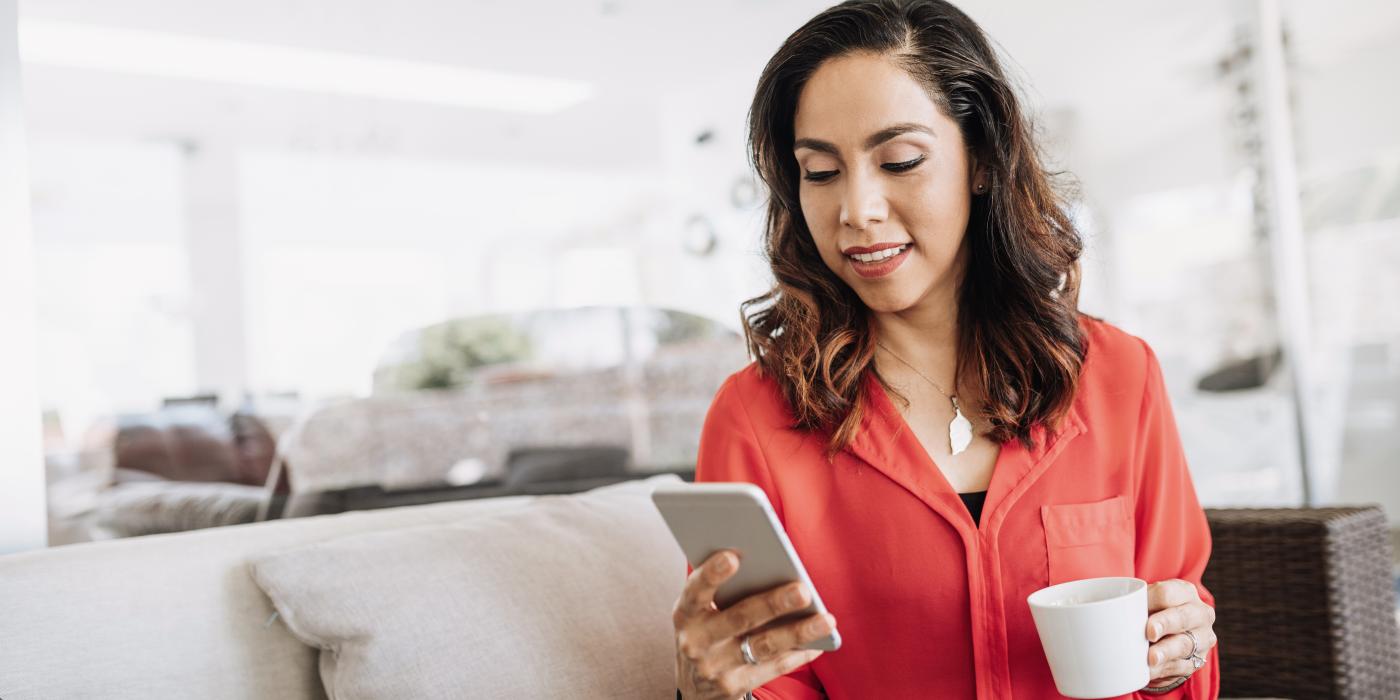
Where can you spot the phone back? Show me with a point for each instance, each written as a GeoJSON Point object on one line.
{"type": "Point", "coordinates": [708, 517]}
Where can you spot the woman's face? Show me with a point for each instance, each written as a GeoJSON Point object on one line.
{"type": "Point", "coordinates": [885, 182]}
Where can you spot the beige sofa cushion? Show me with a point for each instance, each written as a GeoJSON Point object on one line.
{"type": "Point", "coordinates": [567, 596]}
{"type": "Point", "coordinates": [170, 616]}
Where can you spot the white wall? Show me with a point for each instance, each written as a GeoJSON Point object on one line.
{"type": "Point", "coordinates": [113, 275]}
{"type": "Point", "coordinates": [214, 246]}
{"type": "Point", "coordinates": [22, 510]}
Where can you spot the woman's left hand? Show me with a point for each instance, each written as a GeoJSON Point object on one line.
{"type": "Point", "coordinates": [1174, 606]}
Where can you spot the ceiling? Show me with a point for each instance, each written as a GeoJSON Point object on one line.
{"type": "Point", "coordinates": [1112, 79]}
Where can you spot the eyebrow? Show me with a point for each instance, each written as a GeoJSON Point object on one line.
{"type": "Point", "coordinates": [871, 142]}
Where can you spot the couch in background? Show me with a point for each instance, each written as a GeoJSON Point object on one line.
{"type": "Point", "coordinates": [483, 406]}
{"type": "Point", "coordinates": [185, 466]}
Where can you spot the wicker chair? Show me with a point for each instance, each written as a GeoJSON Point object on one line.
{"type": "Point", "coordinates": [1305, 603]}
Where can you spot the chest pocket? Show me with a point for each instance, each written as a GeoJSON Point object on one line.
{"type": "Point", "coordinates": [1087, 540]}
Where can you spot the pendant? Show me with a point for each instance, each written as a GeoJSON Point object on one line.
{"type": "Point", "coordinates": [959, 431]}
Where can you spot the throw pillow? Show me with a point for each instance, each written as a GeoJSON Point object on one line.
{"type": "Point", "coordinates": [565, 596]}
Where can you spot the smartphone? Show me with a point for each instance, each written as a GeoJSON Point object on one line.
{"type": "Point", "coordinates": [708, 517]}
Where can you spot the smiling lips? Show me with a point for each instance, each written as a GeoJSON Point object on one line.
{"type": "Point", "coordinates": [877, 260]}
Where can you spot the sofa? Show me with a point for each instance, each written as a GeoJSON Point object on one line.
{"type": "Point", "coordinates": [524, 596]}
{"type": "Point", "coordinates": [560, 596]}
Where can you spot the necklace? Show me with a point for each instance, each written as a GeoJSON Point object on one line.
{"type": "Point", "coordinates": [960, 428]}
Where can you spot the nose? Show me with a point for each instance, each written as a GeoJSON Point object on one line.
{"type": "Point", "coordinates": [863, 203]}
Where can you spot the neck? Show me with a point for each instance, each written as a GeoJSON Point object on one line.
{"type": "Point", "coordinates": [925, 336]}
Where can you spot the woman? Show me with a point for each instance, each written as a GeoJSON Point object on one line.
{"type": "Point", "coordinates": [939, 429]}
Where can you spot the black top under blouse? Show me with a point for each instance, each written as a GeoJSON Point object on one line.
{"type": "Point", "coordinates": [974, 502]}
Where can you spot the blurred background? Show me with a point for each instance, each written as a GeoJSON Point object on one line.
{"type": "Point", "coordinates": [307, 256]}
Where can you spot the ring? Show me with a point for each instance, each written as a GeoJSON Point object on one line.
{"type": "Point", "coordinates": [747, 651]}
{"type": "Point", "coordinates": [1195, 648]}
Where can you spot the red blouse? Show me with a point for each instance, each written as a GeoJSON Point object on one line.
{"type": "Point", "coordinates": [928, 603]}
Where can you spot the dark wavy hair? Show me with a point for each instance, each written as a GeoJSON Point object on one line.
{"type": "Point", "coordinates": [1019, 333]}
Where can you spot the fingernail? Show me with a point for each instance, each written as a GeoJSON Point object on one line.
{"type": "Point", "coordinates": [1156, 631]}
{"type": "Point", "coordinates": [817, 626]}
{"type": "Point", "coordinates": [1152, 658]}
{"type": "Point", "coordinates": [724, 564]}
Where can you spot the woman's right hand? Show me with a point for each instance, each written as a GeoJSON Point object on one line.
{"type": "Point", "coordinates": [709, 665]}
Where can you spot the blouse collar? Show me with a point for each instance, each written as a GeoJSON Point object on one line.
{"type": "Point", "coordinates": [885, 442]}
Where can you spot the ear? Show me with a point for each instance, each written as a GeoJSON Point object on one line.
{"type": "Point", "coordinates": [977, 174]}
{"type": "Point", "coordinates": [980, 183]}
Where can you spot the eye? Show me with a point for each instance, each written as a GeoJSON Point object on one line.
{"type": "Point", "coordinates": [819, 176]}
{"type": "Point", "coordinates": [903, 167]}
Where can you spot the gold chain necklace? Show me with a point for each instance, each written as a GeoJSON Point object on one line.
{"type": "Point", "coordinates": [960, 428]}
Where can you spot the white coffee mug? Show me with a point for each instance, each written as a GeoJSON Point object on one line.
{"type": "Point", "coordinates": [1094, 632]}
